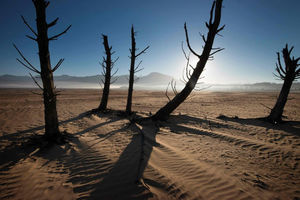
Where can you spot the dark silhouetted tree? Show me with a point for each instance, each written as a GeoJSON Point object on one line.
{"type": "Point", "coordinates": [193, 76]}
{"type": "Point", "coordinates": [133, 69]}
{"type": "Point", "coordinates": [107, 66]}
{"type": "Point", "coordinates": [52, 132]}
{"type": "Point", "coordinates": [288, 75]}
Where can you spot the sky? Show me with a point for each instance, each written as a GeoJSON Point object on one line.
{"type": "Point", "coordinates": [255, 30]}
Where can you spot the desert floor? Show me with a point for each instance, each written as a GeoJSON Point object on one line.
{"type": "Point", "coordinates": [212, 147]}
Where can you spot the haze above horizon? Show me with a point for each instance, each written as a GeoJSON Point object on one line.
{"type": "Point", "coordinates": [255, 31]}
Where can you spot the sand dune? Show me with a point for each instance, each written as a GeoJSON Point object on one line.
{"type": "Point", "coordinates": [212, 147]}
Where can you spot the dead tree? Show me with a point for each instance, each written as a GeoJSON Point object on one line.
{"type": "Point", "coordinates": [213, 30]}
{"type": "Point", "coordinates": [288, 75]}
{"type": "Point", "coordinates": [133, 69]}
{"type": "Point", "coordinates": [107, 66]}
{"type": "Point", "coordinates": [52, 132]}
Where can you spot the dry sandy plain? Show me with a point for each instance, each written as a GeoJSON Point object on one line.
{"type": "Point", "coordinates": [193, 155]}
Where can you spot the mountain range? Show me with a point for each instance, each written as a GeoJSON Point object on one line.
{"type": "Point", "coordinates": [152, 81]}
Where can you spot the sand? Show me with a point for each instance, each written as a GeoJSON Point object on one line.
{"type": "Point", "coordinates": [212, 147]}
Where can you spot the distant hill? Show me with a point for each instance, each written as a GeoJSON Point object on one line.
{"type": "Point", "coordinates": [152, 81]}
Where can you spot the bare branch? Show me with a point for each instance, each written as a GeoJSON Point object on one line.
{"type": "Point", "coordinates": [212, 13]}
{"type": "Point", "coordinates": [56, 36]}
{"type": "Point", "coordinates": [103, 58]}
{"type": "Point", "coordinates": [187, 74]}
{"type": "Point", "coordinates": [52, 23]}
{"type": "Point", "coordinates": [112, 82]}
{"type": "Point", "coordinates": [191, 66]}
{"type": "Point", "coordinates": [220, 29]}
{"type": "Point", "coordinates": [30, 67]}
{"type": "Point", "coordinates": [166, 93]}
{"type": "Point", "coordinates": [113, 63]}
{"type": "Point", "coordinates": [25, 22]}
{"type": "Point", "coordinates": [143, 51]}
{"type": "Point", "coordinates": [207, 25]}
{"type": "Point", "coordinates": [32, 38]}
{"type": "Point", "coordinates": [282, 76]}
{"type": "Point", "coordinates": [114, 73]}
{"type": "Point", "coordinates": [184, 53]}
{"type": "Point", "coordinates": [103, 82]}
{"type": "Point", "coordinates": [291, 50]}
{"type": "Point", "coordinates": [203, 38]}
{"type": "Point", "coordinates": [47, 3]}
{"type": "Point", "coordinates": [26, 65]}
{"type": "Point", "coordinates": [279, 63]}
{"type": "Point", "coordinates": [188, 42]}
{"type": "Point", "coordinates": [36, 82]}
{"type": "Point", "coordinates": [115, 60]}
{"type": "Point", "coordinates": [116, 78]}
{"type": "Point", "coordinates": [278, 76]}
{"type": "Point", "coordinates": [173, 86]}
{"type": "Point", "coordinates": [216, 51]}
{"type": "Point", "coordinates": [58, 65]}
{"type": "Point", "coordinates": [136, 68]}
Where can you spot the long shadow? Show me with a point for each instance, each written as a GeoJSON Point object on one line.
{"type": "Point", "coordinates": [25, 142]}
{"type": "Point", "coordinates": [291, 127]}
{"type": "Point", "coordinates": [86, 165]}
{"type": "Point", "coordinates": [123, 179]}
{"type": "Point", "coordinates": [186, 119]}
{"type": "Point", "coordinates": [83, 164]}
{"type": "Point", "coordinates": [18, 133]}
{"type": "Point", "coordinates": [94, 176]}
{"type": "Point", "coordinates": [126, 175]}
{"type": "Point", "coordinates": [176, 125]}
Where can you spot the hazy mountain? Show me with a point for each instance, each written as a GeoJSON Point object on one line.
{"type": "Point", "coordinates": [152, 81]}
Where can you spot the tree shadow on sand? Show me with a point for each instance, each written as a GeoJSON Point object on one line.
{"type": "Point", "coordinates": [123, 179]}
{"type": "Point", "coordinates": [291, 127]}
{"type": "Point", "coordinates": [94, 175]}
{"type": "Point", "coordinates": [27, 141]}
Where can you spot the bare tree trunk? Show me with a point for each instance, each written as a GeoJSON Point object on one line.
{"type": "Point", "coordinates": [132, 70]}
{"type": "Point", "coordinates": [51, 119]}
{"type": "Point", "coordinates": [131, 73]}
{"type": "Point", "coordinates": [108, 65]}
{"type": "Point", "coordinates": [50, 113]}
{"type": "Point", "coordinates": [164, 112]}
{"type": "Point", "coordinates": [277, 111]}
{"type": "Point", "coordinates": [289, 74]}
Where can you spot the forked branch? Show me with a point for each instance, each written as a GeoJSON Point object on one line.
{"type": "Point", "coordinates": [53, 23]}
{"type": "Point", "coordinates": [29, 65]}
{"type": "Point", "coordinates": [35, 81]}
{"type": "Point", "coordinates": [143, 51]}
{"type": "Point", "coordinates": [188, 42]}
{"type": "Point", "coordinates": [26, 23]}
{"type": "Point", "coordinates": [56, 36]}
{"type": "Point", "coordinates": [58, 64]}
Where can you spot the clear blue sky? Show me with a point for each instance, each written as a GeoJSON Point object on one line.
{"type": "Point", "coordinates": [255, 30]}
